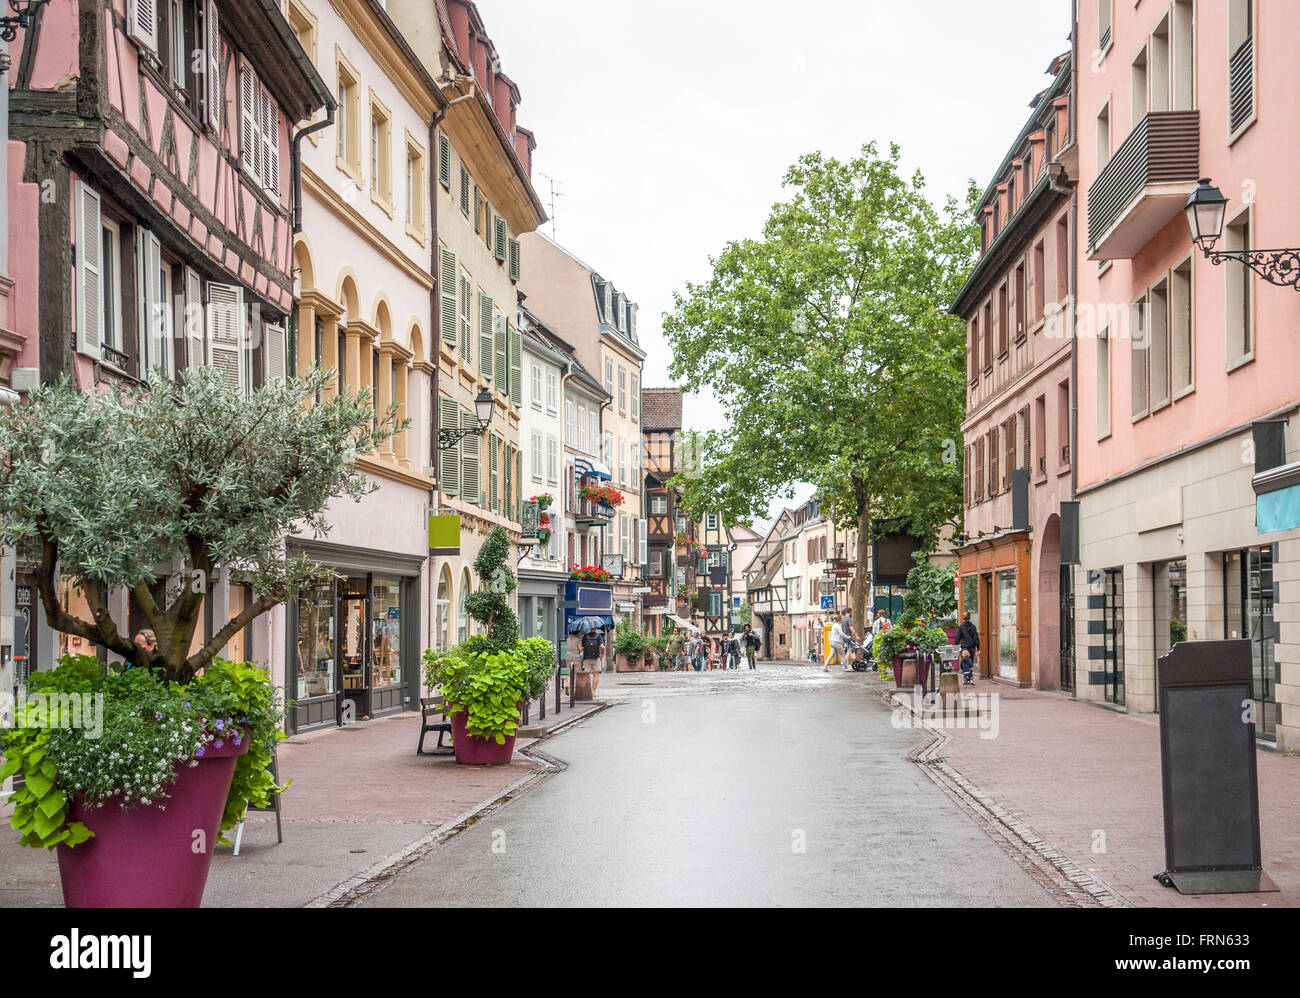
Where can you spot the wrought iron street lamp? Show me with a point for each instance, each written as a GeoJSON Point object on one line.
{"type": "Point", "coordinates": [484, 405]}
{"type": "Point", "coordinates": [1205, 211]}
{"type": "Point", "coordinates": [24, 9]}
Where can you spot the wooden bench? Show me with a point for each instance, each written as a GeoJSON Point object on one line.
{"type": "Point", "coordinates": [430, 707]}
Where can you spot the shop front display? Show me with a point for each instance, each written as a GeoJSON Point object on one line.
{"type": "Point", "coordinates": [352, 663]}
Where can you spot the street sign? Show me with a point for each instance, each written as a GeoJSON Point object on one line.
{"type": "Point", "coordinates": [642, 589]}
{"type": "Point", "coordinates": [828, 603]}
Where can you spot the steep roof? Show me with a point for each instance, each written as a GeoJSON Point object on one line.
{"type": "Point", "coordinates": [661, 408]}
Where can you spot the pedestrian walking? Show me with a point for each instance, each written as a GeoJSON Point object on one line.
{"type": "Point", "coordinates": [593, 653]}
{"type": "Point", "coordinates": [836, 656]}
{"type": "Point", "coordinates": [675, 649]}
{"type": "Point", "coordinates": [968, 640]}
{"type": "Point", "coordinates": [733, 653]}
{"type": "Point", "coordinates": [752, 644]}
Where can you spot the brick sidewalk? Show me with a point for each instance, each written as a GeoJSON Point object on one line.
{"type": "Point", "coordinates": [359, 794]}
{"type": "Point", "coordinates": [1070, 770]}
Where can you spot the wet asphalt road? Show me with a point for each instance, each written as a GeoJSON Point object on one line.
{"type": "Point", "coordinates": [776, 788]}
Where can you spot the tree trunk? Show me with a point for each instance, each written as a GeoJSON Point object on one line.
{"type": "Point", "coordinates": [862, 573]}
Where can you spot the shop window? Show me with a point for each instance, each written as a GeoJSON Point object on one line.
{"type": "Point", "coordinates": [1008, 625]}
{"type": "Point", "coordinates": [316, 610]}
{"type": "Point", "coordinates": [386, 631]}
{"type": "Point", "coordinates": [1248, 613]}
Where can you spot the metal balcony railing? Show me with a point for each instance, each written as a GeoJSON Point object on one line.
{"type": "Point", "coordinates": [1163, 148]}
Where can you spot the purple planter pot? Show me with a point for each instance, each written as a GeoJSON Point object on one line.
{"type": "Point", "coordinates": [472, 750]}
{"type": "Point", "coordinates": [148, 857]}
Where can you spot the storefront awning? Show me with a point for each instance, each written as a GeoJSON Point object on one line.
{"type": "Point", "coordinates": [1278, 510]}
{"type": "Point", "coordinates": [590, 466]}
{"type": "Point", "coordinates": [682, 623]}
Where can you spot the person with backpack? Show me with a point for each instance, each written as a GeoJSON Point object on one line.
{"type": "Point", "coordinates": [752, 645]}
{"type": "Point", "coordinates": [676, 646]}
{"type": "Point", "coordinates": [732, 651]}
{"type": "Point", "coordinates": [593, 652]}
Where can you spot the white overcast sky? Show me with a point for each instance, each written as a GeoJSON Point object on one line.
{"type": "Point", "coordinates": [668, 126]}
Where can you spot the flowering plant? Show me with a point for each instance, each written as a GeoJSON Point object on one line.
{"type": "Point", "coordinates": [605, 495]}
{"type": "Point", "coordinates": [700, 551]}
{"type": "Point", "coordinates": [120, 738]}
{"type": "Point", "coordinates": [682, 539]}
{"type": "Point", "coordinates": [543, 527]}
{"type": "Point", "coordinates": [589, 573]}
{"type": "Point", "coordinates": [544, 500]}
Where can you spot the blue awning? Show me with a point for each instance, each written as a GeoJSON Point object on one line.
{"type": "Point", "coordinates": [1278, 510]}
{"type": "Point", "coordinates": [590, 466]}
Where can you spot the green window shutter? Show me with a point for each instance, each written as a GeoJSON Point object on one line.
{"type": "Point", "coordinates": [516, 365]}
{"type": "Point", "coordinates": [508, 491]}
{"type": "Point", "coordinates": [487, 224]}
{"type": "Point", "coordinates": [514, 260]}
{"type": "Point", "coordinates": [444, 160]}
{"type": "Point", "coordinates": [464, 190]}
{"type": "Point", "coordinates": [478, 209]}
{"type": "Point", "coordinates": [494, 494]}
{"type": "Point", "coordinates": [502, 368]}
{"type": "Point", "coordinates": [499, 224]}
{"type": "Point", "coordinates": [471, 483]}
{"type": "Point", "coordinates": [519, 483]}
{"type": "Point", "coordinates": [447, 277]}
{"type": "Point", "coordinates": [466, 325]}
{"type": "Point", "coordinates": [485, 335]}
{"type": "Point", "coordinates": [449, 459]}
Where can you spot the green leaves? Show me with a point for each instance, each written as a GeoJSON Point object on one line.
{"type": "Point", "coordinates": [486, 686]}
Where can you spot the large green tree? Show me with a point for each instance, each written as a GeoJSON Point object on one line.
{"type": "Point", "coordinates": [107, 491]}
{"type": "Point", "coordinates": [828, 343]}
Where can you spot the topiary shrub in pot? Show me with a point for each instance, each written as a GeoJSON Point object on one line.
{"type": "Point", "coordinates": [629, 647]}
{"type": "Point", "coordinates": [484, 690]}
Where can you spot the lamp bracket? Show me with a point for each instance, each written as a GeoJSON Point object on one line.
{"type": "Point", "coordinates": [1277, 266]}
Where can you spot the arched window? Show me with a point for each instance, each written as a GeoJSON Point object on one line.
{"type": "Point", "coordinates": [462, 614]}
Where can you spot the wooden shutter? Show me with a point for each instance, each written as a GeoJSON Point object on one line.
{"type": "Point", "coordinates": [90, 292]}
{"type": "Point", "coordinates": [478, 209]}
{"type": "Point", "coordinates": [487, 223]}
{"type": "Point", "coordinates": [485, 335]}
{"type": "Point", "coordinates": [448, 274]}
{"type": "Point", "coordinates": [142, 22]}
{"type": "Point", "coordinates": [965, 475]}
{"type": "Point", "coordinates": [993, 461]}
{"type": "Point", "coordinates": [464, 190]}
{"type": "Point", "coordinates": [149, 342]}
{"type": "Point", "coordinates": [979, 469]}
{"type": "Point", "coordinates": [250, 124]}
{"type": "Point", "coordinates": [444, 160]}
{"type": "Point", "coordinates": [501, 368]}
{"type": "Point", "coordinates": [193, 320]}
{"type": "Point", "coordinates": [514, 260]}
{"type": "Point", "coordinates": [274, 340]}
{"type": "Point", "coordinates": [471, 484]}
{"type": "Point", "coordinates": [466, 325]}
{"type": "Point", "coordinates": [225, 334]}
{"type": "Point", "coordinates": [271, 138]}
{"type": "Point", "coordinates": [494, 494]}
{"type": "Point", "coordinates": [499, 224]}
{"type": "Point", "coordinates": [212, 55]}
{"type": "Point", "coordinates": [449, 459]}
{"type": "Point", "coordinates": [516, 340]}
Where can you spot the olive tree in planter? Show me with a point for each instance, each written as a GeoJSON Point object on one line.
{"type": "Point", "coordinates": [98, 490]}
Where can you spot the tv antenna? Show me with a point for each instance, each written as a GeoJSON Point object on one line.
{"type": "Point", "coordinates": [550, 209]}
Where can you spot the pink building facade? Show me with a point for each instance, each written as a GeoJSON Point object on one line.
{"type": "Point", "coordinates": [151, 190]}
{"type": "Point", "coordinates": [1178, 358]}
{"type": "Point", "coordinates": [1017, 454]}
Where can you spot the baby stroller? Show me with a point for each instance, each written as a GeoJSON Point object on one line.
{"type": "Point", "coordinates": [857, 656]}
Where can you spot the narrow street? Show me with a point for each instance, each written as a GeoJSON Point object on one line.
{"type": "Point", "coordinates": [783, 786]}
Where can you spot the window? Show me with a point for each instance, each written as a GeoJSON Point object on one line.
{"type": "Point", "coordinates": [986, 336]}
{"type": "Point", "coordinates": [656, 570]}
{"type": "Point", "coordinates": [1103, 26]}
{"type": "Point", "coordinates": [607, 455]}
{"type": "Point", "coordinates": [659, 503]}
{"type": "Point", "coordinates": [535, 376]}
{"type": "Point", "coordinates": [636, 399]}
{"type": "Point", "coordinates": [552, 459]}
{"type": "Point", "coordinates": [259, 133]}
{"type": "Point", "coordinates": [570, 428]}
{"type": "Point", "coordinates": [552, 381]}
{"type": "Point", "coordinates": [1062, 259]}
{"type": "Point", "coordinates": [1158, 77]}
{"type": "Point", "coordinates": [1181, 356]}
{"type": "Point", "coordinates": [415, 186]}
{"type": "Point", "coordinates": [979, 470]}
{"type": "Point", "coordinates": [993, 480]}
{"type": "Point", "coordinates": [972, 350]}
{"type": "Point", "coordinates": [1037, 277]}
{"type": "Point", "coordinates": [176, 47]}
{"type": "Point", "coordinates": [1182, 65]}
{"type": "Point", "coordinates": [381, 179]}
{"type": "Point", "coordinates": [501, 239]}
{"type": "Point", "coordinates": [1103, 384]}
{"type": "Point", "coordinates": [1138, 86]}
{"type": "Point", "coordinates": [1239, 323]}
{"type": "Point", "coordinates": [444, 159]}
{"type": "Point", "coordinates": [537, 456]}
{"type": "Point", "coordinates": [1040, 435]}
{"type": "Point", "coordinates": [711, 521]}
{"type": "Point", "coordinates": [464, 190]}
{"type": "Point", "coordinates": [1241, 65]}
{"type": "Point", "coordinates": [466, 329]}
{"type": "Point", "coordinates": [1020, 302]}
{"type": "Point", "coordinates": [99, 281]}
{"type": "Point", "coordinates": [1063, 422]}
{"type": "Point", "coordinates": [582, 427]}
{"type": "Point", "coordinates": [1103, 137]}
{"type": "Point", "coordinates": [622, 390]}
{"type": "Point", "coordinates": [156, 305]}
{"type": "Point", "coordinates": [609, 376]}
{"type": "Point", "coordinates": [622, 460]}
{"type": "Point", "coordinates": [1002, 320]}
{"type": "Point", "coordinates": [347, 120]}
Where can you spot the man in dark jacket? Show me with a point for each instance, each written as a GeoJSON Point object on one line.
{"type": "Point", "coordinates": [751, 646]}
{"type": "Point", "coordinates": [968, 640]}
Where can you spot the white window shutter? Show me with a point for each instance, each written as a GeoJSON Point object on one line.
{"type": "Point", "coordinates": [193, 320]}
{"type": "Point", "coordinates": [142, 22]}
{"type": "Point", "coordinates": [275, 339]}
{"type": "Point", "coordinates": [226, 334]}
{"type": "Point", "coordinates": [150, 339]}
{"type": "Point", "coordinates": [250, 128]}
{"type": "Point", "coordinates": [212, 55]}
{"type": "Point", "coordinates": [90, 246]}
{"type": "Point", "coordinates": [642, 556]}
{"type": "Point", "coordinates": [271, 137]}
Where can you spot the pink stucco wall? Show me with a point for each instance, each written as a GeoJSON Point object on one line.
{"type": "Point", "coordinates": [1261, 162]}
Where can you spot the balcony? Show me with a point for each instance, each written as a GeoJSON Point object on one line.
{"type": "Point", "coordinates": [592, 514]}
{"type": "Point", "coordinates": [1145, 184]}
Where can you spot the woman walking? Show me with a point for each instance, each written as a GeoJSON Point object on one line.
{"type": "Point", "coordinates": [968, 640]}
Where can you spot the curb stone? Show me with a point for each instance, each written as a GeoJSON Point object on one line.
{"type": "Point", "coordinates": [1062, 878]}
